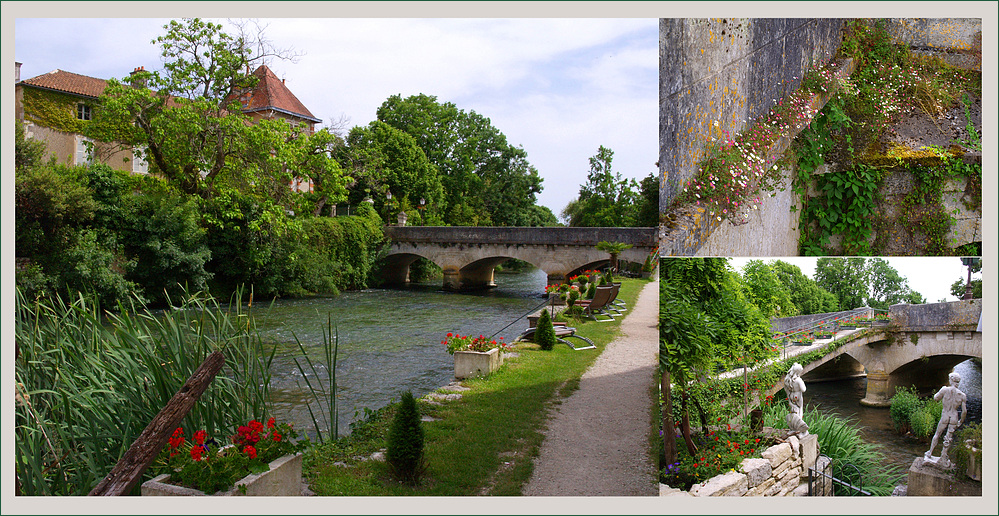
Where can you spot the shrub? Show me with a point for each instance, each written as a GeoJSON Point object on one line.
{"type": "Point", "coordinates": [924, 421]}
{"type": "Point", "coordinates": [544, 335]}
{"type": "Point", "coordinates": [405, 442]}
{"type": "Point", "coordinates": [903, 404]}
{"type": "Point", "coordinates": [960, 453]}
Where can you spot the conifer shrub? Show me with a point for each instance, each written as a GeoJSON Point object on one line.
{"type": "Point", "coordinates": [544, 335]}
{"type": "Point", "coordinates": [404, 452]}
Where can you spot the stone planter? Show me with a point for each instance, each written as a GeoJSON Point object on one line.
{"type": "Point", "coordinates": [476, 363]}
{"type": "Point", "coordinates": [974, 470]}
{"type": "Point", "coordinates": [283, 479]}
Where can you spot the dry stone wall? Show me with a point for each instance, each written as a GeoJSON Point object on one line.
{"type": "Point", "coordinates": [782, 471]}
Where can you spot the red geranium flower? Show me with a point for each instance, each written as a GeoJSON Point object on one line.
{"type": "Point", "coordinates": [250, 451]}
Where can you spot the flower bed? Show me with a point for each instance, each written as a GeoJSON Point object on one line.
{"type": "Point", "coordinates": [717, 451]}
{"type": "Point", "coordinates": [207, 466]}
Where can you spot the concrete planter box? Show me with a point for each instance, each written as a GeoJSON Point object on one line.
{"type": "Point", "coordinates": [283, 479]}
{"type": "Point", "coordinates": [476, 363]}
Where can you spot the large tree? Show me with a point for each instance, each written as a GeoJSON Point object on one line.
{"type": "Point", "coordinates": [888, 287]}
{"type": "Point", "coordinates": [388, 161]}
{"type": "Point", "coordinates": [845, 278]}
{"type": "Point", "coordinates": [704, 318]}
{"type": "Point", "coordinates": [605, 200]}
{"type": "Point", "coordinates": [186, 119]}
{"type": "Point", "coordinates": [765, 289]}
{"type": "Point", "coordinates": [806, 294]}
{"type": "Point", "coordinates": [485, 178]}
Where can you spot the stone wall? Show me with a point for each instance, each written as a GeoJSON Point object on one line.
{"type": "Point", "coordinates": [782, 471]}
{"type": "Point", "coordinates": [721, 74]}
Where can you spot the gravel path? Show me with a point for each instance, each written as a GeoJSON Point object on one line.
{"type": "Point", "coordinates": [597, 442]}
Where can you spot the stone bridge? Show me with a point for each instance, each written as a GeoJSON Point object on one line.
{"type": "Point", "coordinates": [919, 347]}
{"type": "Point", "coordinates": [469, 255]}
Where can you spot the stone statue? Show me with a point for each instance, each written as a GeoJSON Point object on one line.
{"type": "Point", "coordinates": [794, 386]}
{"type": "Point", "coordinates": [952, 398]}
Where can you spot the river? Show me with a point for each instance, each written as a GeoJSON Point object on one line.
{"type": "Point", "coordinates": [390, 340]}
{"type": "Point", "coordinates": [843, 397]}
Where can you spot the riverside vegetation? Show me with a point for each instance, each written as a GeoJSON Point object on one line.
{"type": "Point", "coordinates": [699, 337]}
{"type": "Point", "coordinates": [88, 381]}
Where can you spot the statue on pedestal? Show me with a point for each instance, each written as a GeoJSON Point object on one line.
{"type": "Point", "coordinates": [794, 386]}
{"type": "Point", "coordinates": [952, 398]}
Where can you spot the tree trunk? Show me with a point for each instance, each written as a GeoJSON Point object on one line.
{"type": "Point", "coordinates": [685, 428]}
{"type": "Point", "coordinates": [669, 432]}
{"type": "Point", "coordinates": [128, 471]}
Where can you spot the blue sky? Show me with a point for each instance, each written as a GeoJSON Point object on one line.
{"type": "Point", "coordinates": [560, 88]}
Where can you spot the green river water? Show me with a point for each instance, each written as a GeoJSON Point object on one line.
{"type": "Point", "coordinates": [389, 340]}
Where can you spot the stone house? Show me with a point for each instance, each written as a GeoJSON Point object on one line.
{"type": "Point", "coordinates": [56, 106]}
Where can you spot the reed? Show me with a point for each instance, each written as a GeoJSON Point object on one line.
{"type": "Point", "coordinates": [89, 381]}
{"type": "Point", "coordinates": [840, 440]}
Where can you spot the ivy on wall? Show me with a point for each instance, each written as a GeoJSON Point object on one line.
{"type": "Point", "coordinates": [53, 109]}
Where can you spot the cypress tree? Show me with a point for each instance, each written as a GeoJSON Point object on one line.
{"type": "Point", "coordinates": [544, 335]}
{"type": "Point", "coordinates": [404, 453]}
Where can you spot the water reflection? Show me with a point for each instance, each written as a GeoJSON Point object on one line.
{"type": "Point", "coordinates": [389, 340]}
{"type": "Point", "coordinates": [843, 397]}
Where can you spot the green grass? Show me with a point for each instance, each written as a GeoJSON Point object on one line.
{"type": "Point", "coordinates": [483, 443]}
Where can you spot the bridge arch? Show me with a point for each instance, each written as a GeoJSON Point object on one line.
{"type": "Point", "coordinates": [468, 255]}
{"type": "Point", "coordinates": [919, 348]}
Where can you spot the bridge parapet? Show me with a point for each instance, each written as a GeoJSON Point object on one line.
{"type": "Point", "coordinates": [638, 237]}
{"type": "Point", "coordinates": [952, 316]}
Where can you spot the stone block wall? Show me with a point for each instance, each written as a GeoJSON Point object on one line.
{"type": "Point", "coordinates": [782, 471]}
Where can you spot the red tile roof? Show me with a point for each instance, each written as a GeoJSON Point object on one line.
{"type": "Point", "coordinates": [69, 82]}
{"type": "Point", "coordinates": [271, 93]}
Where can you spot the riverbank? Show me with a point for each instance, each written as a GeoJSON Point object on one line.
{"type": "Point", "coordinates": [481, 434]}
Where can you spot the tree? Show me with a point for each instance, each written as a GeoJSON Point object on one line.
{"type": "Point", "coordinates": [845, 278]}
{"type": "Point", "coordinates": [386, 160]}
{"type": "Point", "coordinates": [28, 153]}
{"type": "Point", "coordinates": [485, 178]}
{"type": "Point", "coordinates": [186, 120]}
{"type": "Point", "coordinates": [613, 249]}
{"type": "Point", "coordinates": [605, 200]}
{"type": "Point", "coordinates": [808, 297]}
{"type": "Point", "coordinates": [704, 318]}
{"type": "Point", "coordinates": [404, 450]}
{"type": "Point", "coordinates": [888, 287]}
{"type": "Point", "coordinates": [765, 289]}
{"type": "Point", "coordinates": [544, 335]}
{"type": "Point", "coordinates": [959, 287]}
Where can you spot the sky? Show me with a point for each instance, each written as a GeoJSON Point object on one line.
{"type": "Point", "coordinates": [930, 276]}
{"type": "Point", "coordinates": [559, 88]}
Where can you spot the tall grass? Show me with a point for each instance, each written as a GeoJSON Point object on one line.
{"type": "Point", "coordinates": [88, 382]}
{"type": "Point", "coordinates": [320, 393]}
{"type": "Point", "coordinates": [840, 440]}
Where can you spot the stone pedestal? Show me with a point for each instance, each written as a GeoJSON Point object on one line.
{"type": "Point", "coordinates": [926, 479]}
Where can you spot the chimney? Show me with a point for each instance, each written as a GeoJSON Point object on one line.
{"type": "Point", "coordinates": [17, 72]}
{"type": "Point", "coordinates": [138, 82]}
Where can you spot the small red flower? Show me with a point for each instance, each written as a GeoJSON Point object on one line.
{"type": "Point", "coordinates": [196, 452]}
{"type": "Point", "coordinates": [199, 436]}
{"type": "Point", "coordinates": [250, 451]}
{"type": "Point", "coordinates": [276, 436]}
{"type": "Point", "coordinates": [270, 423]}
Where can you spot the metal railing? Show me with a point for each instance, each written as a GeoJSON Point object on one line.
{"type": "Point", "coordinates": [823, 483]}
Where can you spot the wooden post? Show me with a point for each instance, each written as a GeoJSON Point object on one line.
{"type": "Point", "coordinates": [128, 471]}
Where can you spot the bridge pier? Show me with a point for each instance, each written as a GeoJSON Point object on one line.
{"type": "Point", "coordinates": [879, 390]}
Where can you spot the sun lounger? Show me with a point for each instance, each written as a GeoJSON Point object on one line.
{"type": "Point", "coordinates": [561, 333]}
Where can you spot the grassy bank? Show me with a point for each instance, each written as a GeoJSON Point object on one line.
{"type": "Point", "coordinates": [480, 444]}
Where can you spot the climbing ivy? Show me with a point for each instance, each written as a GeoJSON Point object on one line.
{"type": "Point", "coordinates": [53, 109]}
{"type": "Point", "coordinates": [888, 82]}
